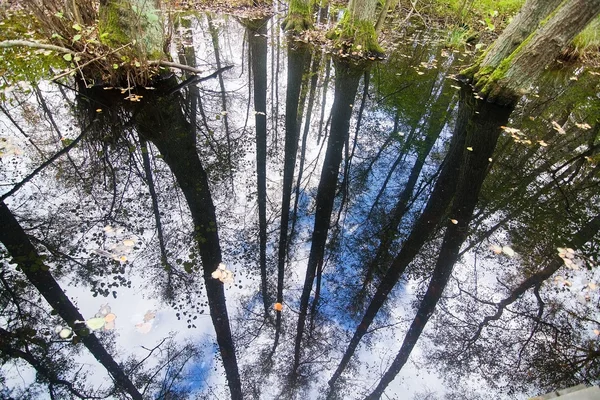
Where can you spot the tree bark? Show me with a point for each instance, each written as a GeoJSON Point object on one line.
{"type": "Point", "coordinates": [522, 25]}
{"type": "Point", "coordinates": [358, 29]}
{"type": "Point", "coordinates": [299, 17]}
{"type": "Point", "coordinates": [517, 72]}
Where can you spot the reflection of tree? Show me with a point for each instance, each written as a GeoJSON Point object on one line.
{"type": "Point", "coordinates": [14, 238]}
{"type": "Point", "coordinates": [346, 85]}
{"type": "Point", "coordinates": [483, 130]}
{"type": "Point", "coordinates": [257, 37]}
{"type": "Point", "coordinates": [420, 233]}
{"type": "Point", "coordinates": [297, 58]}
{"type": "Point", "coordinates": [162, 122]}
{"type": "Point", "coordinates": [214, 33]}
{"type": "Point", "coordinates": [434, 118]}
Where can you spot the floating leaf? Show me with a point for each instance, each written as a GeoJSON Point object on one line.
{"type": "Point", "coordinates": [508, 251]}
{"type": "Point", "coordinates": [65, 333]}
{"type": "Point", "coordinates": [149, 316]}
{"type": "Point", "coordinates": [216, 274]}
{"type": "Point", "coordinates": [597, 332]}
{"type": "Point", "coordinates": [584, 126]}
{"type": "Point", "coordinates": [542, 143]}
{"type": "Point", "coordinates": [95, 323]}
{"type": "Point", "coordinates": [470, 148]}
{"type": "Point", "coordinates": [98, 110]}
{"type": "Point", "coordinates": [128, 242]}
{"type": "Point", "coordinates": [496, 249]}
{"type": "Point", "coordinates": [454, 221]}
{"type": "Point", "coordinates": [278, 306]}
{"type": "Point", "coordinates": [144, 327]}
{"type": "Point", "coordinates": [110, 317]}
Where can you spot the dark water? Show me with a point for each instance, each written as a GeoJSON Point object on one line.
{"type": "Point", "coordinates": [380, 228]}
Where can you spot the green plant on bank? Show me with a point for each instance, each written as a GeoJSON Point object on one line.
{"type": "Point", "coordinates": [22, 64]}
{"type": "Point", "coordinates": [458, 36]}
{"type": "Point", "coordinates": [587, 42]}
{"type": "Point", "coordinates": [96, 51]}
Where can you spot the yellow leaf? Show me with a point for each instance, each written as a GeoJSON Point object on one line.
{"type": "Point", "coordinates": [496, 249]}
{"type": "Point", "coordinates": [454, 221]}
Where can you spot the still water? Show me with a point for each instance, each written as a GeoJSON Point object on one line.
{"type": "Point", "coordinates": [299, 226]}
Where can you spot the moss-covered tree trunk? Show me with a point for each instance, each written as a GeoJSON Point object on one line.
{"type": "Point", "coordinates": [355, 33]}
{"type": "Point", "coordinates": [299, 16]}
{"type": "Point", "coordinates": [137, 22]}
{"type": "Point", "coordinates": [526, 21]}
{"type": "Point", "coordinates": [515, 73]}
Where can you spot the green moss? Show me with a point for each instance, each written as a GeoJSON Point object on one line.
{"type": "Point", "coordinates": [491, 82]}
{"type": "Point", "coordinates": [110, 27]}
{"type": "Point", "coordinates": [356, 36]}
{"type": "Point", "coordinates": [24, 63]}
{"type": "Point", "coordinates": [299, 17]}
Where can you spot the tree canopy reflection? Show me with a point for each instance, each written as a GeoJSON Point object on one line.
{"type": "Point", "coordinates": [369, 211]}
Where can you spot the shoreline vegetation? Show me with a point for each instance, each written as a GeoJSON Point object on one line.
{"type": "Point", "coordinates": [93, 47]}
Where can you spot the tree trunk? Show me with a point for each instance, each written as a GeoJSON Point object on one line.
{"type": "Point", "coordinates": [358, 29]}
{"type": "Point", "coordinates": [14, 238]}
{"type": "Point", "coordinates": [483, 131]}
{"type": "Point", "coordinates": [517, 72]}
{"type": "Point", "coordinates": [299, 17]}
{"type": "Point", "coordinates": [523, 24]}
{"type": "Point", "coordinates": [346, 85]}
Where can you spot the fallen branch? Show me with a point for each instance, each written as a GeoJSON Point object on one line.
{"type": "Point", "coordinates": [14, 43]}
{"type": "Point", "coordinates": [175, 65]}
